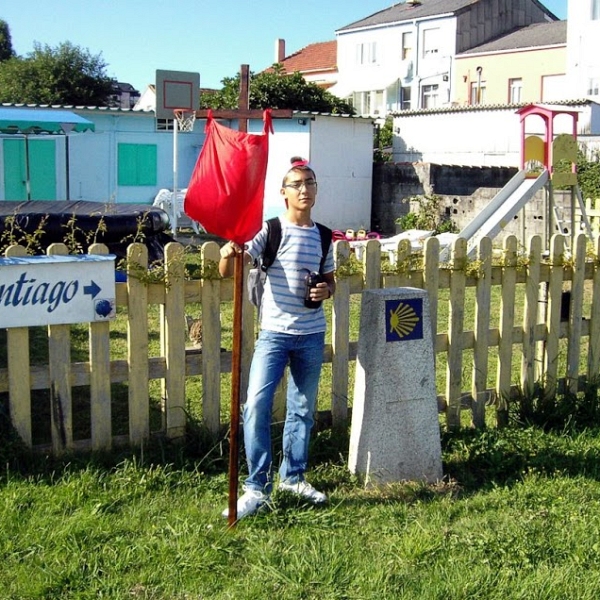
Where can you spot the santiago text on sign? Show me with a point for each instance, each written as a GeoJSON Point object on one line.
{"type": "Point", "coordinates": [25, 291]}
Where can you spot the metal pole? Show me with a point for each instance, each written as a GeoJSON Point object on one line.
{"type": "Point", "coordinates": [27, 169]}
{"type": "Point", "coordinates": [174, 207]}
{"type": "Point", "coordinates": [68, 186]}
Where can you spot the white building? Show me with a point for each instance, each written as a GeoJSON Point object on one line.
{"type": "Point", "coordinates": [484, 135]}
{"type": "Point", "coordinates": [583, 48]}
{"type": "Point", "coordinates": [129, 159]}
{"type": "Point", "coordinates": [403, 57]}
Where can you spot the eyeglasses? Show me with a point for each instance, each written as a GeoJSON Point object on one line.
{"type": "Point", "coordinates": [309, 184]}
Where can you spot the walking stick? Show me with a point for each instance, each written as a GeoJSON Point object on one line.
{"type": "Point", "coordinates": [236, 372]}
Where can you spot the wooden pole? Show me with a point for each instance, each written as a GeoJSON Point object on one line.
{"type": "Point", "coordinates": [236, 358]}
{"type": "Point", "coordinates": [236, 376]}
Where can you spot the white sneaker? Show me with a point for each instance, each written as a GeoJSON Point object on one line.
{"type": "Point", "coordinates": [303, 489]}
{"type": "Point", "coordinates": [248, 504]}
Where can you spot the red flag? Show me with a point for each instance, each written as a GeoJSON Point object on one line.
{"type": "Point", "coordinates": [226, 190]}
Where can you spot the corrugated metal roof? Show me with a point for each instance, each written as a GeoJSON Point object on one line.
{"type": "Point", "coordinates": [137, 112]}
{"type": "Point", "coordinates": [487, 107]}
{"type": "Point", "coordinates": [532, 36]}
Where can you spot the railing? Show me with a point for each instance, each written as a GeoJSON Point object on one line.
{"type": "Point", "coordinates": [517, 338]}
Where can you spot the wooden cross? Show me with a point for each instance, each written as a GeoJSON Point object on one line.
{"type": "Point", "coordinates": [242, 114]}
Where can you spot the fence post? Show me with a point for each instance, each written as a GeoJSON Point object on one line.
{"type": "Point", "coordinates": [481, 330]}
{"type": "Point", "coordinates": [593, 361]}
{"type": "Point", "coordinates": [211, 340]}
{"type": "Point", "coordinates": [555, 281]}
{"type": "Point", "coordinates": [456, 315]}
{"type": "Point", "coordinates": [576, 313]}
{"type": "Point", "coordinates": [137, 343]}
{"type": "Point", "coordinates": [173, 341]}
{"type": "Point", "coordinates": [100, 389]}
{"type": "Point", "coordinates": [507, 322]}
{"type": "Point", "coordinates": [340, 340]}
{"type": "Point", "coordinates": [530, 316]}
{"type": "Point", "coordinates": [61, 400]}
{"type": "Point", "coordinates": [19, 376]}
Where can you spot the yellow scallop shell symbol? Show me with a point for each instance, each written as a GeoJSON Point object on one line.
{"type": "Point", "coordinates": [403, 319]}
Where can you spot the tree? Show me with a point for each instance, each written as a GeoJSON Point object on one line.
{"type": "Point", "coordinates": [275, 89]}
{"type": "Point", "coordinates": [383, 140]}
{"type": "Point", "coordinates": [66, 74]}
{"type": "Point", "coordinates": [6, 49]}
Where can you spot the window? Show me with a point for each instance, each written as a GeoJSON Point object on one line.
{"type": "Point", "coordinates": [431, 42]}
{"type": "Point", "coordinates": [378, 105]}
{"type": "Point", "coordinates": [429, 96]}
{"type": "Point", "coordinates": [515, 87]}
{"type": "Point", "coordinates": [164, 124]}
{"type": "Point", "coordinates": [366, 53]}
{"type": "Point", "coordinates": [362, 102]}
{"type": "Point", "coordinates": [407, 45]}
{"type": "Point", "coordinates": [478, 92]}
{"type": "Point", "coordinates": [553, 87]}
{"type": "Point", "coordinates": [137, 164]}
{"type": "Point", "coordinates": [593, 86]}
{"type": "Point", "coordinates": [405, 98]}
{"type": "Point", "coordinates": [595, 13]}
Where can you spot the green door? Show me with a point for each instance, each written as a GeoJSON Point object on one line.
{"type": "Point", "coordinates": [42, 169]}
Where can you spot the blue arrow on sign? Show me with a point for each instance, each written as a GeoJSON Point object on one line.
{"type": "Point", "coordinates": [93, 289]}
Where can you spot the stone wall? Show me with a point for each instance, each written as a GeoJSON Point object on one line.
{"type": "Point", "coordinates": [464, 191]}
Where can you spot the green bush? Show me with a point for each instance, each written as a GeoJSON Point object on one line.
{"type": "Point", "coordinates": [588, 175]}
{"type": "Point", "coordinates": [428, 217]}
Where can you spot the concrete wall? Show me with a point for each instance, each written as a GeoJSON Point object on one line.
{"type": "Point", "coordinates": [478, 135]}
{"type": "Point", "coordinates": [463, 192]}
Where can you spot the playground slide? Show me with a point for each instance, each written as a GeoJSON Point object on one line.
{"type": "Point", "coordinates": [501, 209]}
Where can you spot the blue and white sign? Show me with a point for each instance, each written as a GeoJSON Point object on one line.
{"type": "Point", "coordinates": [53, 290]}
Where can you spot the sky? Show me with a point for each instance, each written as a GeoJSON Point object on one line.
{"type": "Point", "coordinates": [210, 37]}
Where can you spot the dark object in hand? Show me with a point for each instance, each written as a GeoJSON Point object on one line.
{"type": "Point", "coordinates": [310, 281]}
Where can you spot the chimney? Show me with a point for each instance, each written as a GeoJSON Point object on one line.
{"type": "Point", "coordinates": [279, 50]}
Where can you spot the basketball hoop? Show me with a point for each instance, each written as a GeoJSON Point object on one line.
{"type": "Point", "coordinates": [185, 119]}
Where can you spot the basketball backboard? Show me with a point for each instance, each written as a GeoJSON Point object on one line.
{"type": "Point", "coordinates": [176, 89]}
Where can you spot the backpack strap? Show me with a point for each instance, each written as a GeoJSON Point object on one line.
{"type": "Point", "coordinates": [273, 242]}
{"type": "Point", "coordinates": [326, 237]}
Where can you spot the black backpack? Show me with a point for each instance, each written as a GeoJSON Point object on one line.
{"type": "Point", "coordinates": [258, 273]}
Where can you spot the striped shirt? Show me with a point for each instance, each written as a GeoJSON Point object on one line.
{"type": "Point", "coordinates": [299, 253]}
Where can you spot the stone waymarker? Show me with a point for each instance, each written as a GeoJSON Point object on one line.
{"type": "Point", "coordinates": [395, 433]}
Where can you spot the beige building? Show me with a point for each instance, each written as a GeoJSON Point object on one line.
{"type": "Point", "coordinates": [528, 65]}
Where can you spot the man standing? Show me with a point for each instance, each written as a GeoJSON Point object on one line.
{"type": "Point", "coordinates": [292, 327]}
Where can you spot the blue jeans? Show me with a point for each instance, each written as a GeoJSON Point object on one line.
{"type": "Point", "coordinates": [273, 351]}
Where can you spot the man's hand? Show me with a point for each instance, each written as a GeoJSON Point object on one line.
{"type": "Point", "coordinates": [228, 251]}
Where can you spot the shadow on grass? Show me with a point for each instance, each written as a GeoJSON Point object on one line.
{"type": "Point", "coordinates": [472, 459]}
{"type": "Point", "coordinates": [478, 459]}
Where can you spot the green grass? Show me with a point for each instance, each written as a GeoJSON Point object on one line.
{"type": "Point", "coordinates": [517, 517]}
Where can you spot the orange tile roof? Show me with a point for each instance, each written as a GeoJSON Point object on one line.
{"type": "Point", "coordinates": [321, 56]}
